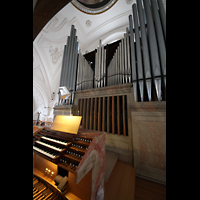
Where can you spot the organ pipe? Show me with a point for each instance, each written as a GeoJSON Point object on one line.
{"type": "Point", "coordinates": [160, 38]}
{"type": "Point", "coordinates": [69, 64]}
{"type": "Point", "coordinates": [133, 63]}
{"type": "Point", "coordinates": [162, 16]}
{"type": "Point", "coordinates": [145, 51]}
{"type": "Point", "coordinates": [138, 52]}
{"type": "Point", "coordinates": [155, 63]}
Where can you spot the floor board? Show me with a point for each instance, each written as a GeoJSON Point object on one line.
{"type": "Point", "coordinates": [121, 183]}
{"type": "Point", "coordinates": [149, 190]}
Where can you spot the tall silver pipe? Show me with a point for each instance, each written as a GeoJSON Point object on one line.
{"type": "Point", "coordinates": [108, 75]}
{"type": "Point", "coordinates": [65, 60]}
{"type": "Point", "coordinates": [79, 73]}
{"type": "Point", "coordinates": [74, 69]}
{"type": "Point", "coordinates": [99, 64]}
{"type": "Point", "coordinates": [153, 49]}
{"type": "Point", "coordinates": [117, 65]}
{"type": "Point", "coordinates": [72, 65]}
{"type": "Point", "coordinates": [160, 38]}
{"type": "Point", "coordinates": [111, 69]}
{"type": "Point", "coordinates": [125, 59]}
{"type": "Point", "coordinates": [128, 56]}
{"type": "Point", "coordinates": [95, 75]}
{"type": "Point", "coordinates": [138, 52]}
{"type": "Point", "coordinates": [133, 65]}
{"type": "Point", "coordinates": [162, 16]}
{"type": "Point", "coordinates": [120, 62]}
{"type": "Point", "coordinates": [68, 67]}
{"type": "Point", "coordinates": [104, 69]}
{"type": "Point", "coordinates": [114, 69]}
{"type": "Point", "coordinates": [145, 49]}
{"type": "Point", "coordinates": [71, 61]}
{"type": "Point", "coordinates": [122, 67]}
{"type": "Point", "coordinates": [111, 72]}
{"type": "Point", "coordinates": [63, 64]}
{"type": "Point", "coordinates": [102, 65]}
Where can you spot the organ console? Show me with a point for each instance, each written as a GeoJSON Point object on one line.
{"type": "Point", "coordinates": [73, 153]}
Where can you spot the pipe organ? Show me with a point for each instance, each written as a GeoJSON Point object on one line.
{"type": "Point", "coordinates": [140, 57]}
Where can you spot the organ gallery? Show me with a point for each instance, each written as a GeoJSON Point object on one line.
{"type": "Point", "coordinates": [110, 111]}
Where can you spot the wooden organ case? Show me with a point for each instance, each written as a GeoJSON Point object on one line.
{"type": "Point", "coordinates": [80, 157]}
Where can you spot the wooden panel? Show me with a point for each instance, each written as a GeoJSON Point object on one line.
{"type": "Point", "coordinates": [81, 109]}
{"type": "Point", "coordinates": [95, 115]}
{"type": "Point", "coordinates": [84, 113]}
{"type": "Point", "coordinates": [91, 114]}
{"type": "Point", "coordinates": [87, 114]}
{"type": "Point", "coordinates": [99, 114]}
{"type": "Point", "coordinates": [83, 188]}
{"type": "Point", "coordinates": [118, 116]}
{"type": "Point", "coordinates": [108, 114]}
{"type": "Point", "coordinates": [103, 113]}
{"type": "Point", "coordinates": [113, 115]}
{"type": "Point", "coordinates": [123, 114]}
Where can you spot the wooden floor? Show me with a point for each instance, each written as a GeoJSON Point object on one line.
{"type": "Point", "coordinates": [122, 184]}
{"type": "Point", "coordinates": [149, 190]}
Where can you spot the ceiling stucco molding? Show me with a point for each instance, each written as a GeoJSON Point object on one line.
{"type": "Point", "coordinates": [93, 11]}
{"type": "Point", "coordinates": [51, 62]}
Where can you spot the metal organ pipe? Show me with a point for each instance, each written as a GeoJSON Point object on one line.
{"type": "Point", "coordinates": [128, 57]}
{"type": "Point", "coordinates": [155, 63]}
{"type": "Point", "coordinates": [133, 64]}
{"type": "Point", "coordinates": [74, 69]}
{"type": "Point", "coordinates": [138, 52]}
{"type": "Point", "coordinates": [85, 74]}
{"type": "Point", "coordinates": [162, 16]}
{"type": "Point", "coordinates": [125, 59]}
{"type": "Point", "coordinates": [160, 38]}
{"type": "Point", "coordinates": [145, 51]}
{"type": "Point", "coordinates": [69, 64]}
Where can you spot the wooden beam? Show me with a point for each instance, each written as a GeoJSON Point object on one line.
{"type": "Point", "coordinates": [118, 116]}
{"type": "Point", "coordinates": [99, 114]}
{"type": "Point", "coordinates": [84, 113]}
{"type": "Point", "coordinates": [123, 114]}
{"type": "Point", "coordinates": [87, 113]}
{"type": "Point", "coordinates": [81, 109]}
{"type": "Point", "coordinates": [103, 113]}
{"type": "Point", "coordinates": [95, 114]}
{"type": "Point", "coordinates": [113, 115]}
{"type": "Point", "coordinates": [108, 114]}
{"type": "Point", "coordinates": [91, 114]}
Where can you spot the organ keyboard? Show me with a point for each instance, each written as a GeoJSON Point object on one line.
{"type": "Point", "coordinates": [67, 153]}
